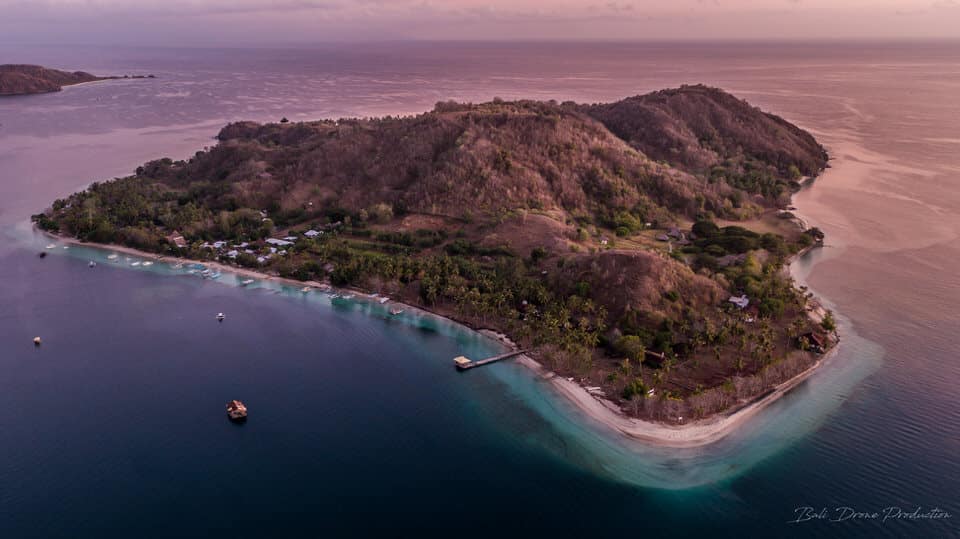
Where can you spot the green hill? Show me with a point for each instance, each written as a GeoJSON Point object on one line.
{"type": "Point", "coordinates": [585, 232]}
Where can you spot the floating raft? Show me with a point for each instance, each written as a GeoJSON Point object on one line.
{"type": "Point", "coordinates": [464, 363]}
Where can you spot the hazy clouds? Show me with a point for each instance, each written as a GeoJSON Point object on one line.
{"type": "Point", "coordinates": [285, 21]}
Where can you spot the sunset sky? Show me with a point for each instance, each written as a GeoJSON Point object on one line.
{"type": "Point", "coordinates": [289, 21]}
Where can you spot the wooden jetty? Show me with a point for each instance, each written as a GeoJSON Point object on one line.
{"type": "Point", "coordinates": [463, 363]}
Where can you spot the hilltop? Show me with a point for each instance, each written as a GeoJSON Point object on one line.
{"type": "Point", "coordinates": [32, 79]}
{"type": "Point", "coordinates": [24, 79]}
{"type": "Point", "coordinates": [708, 131]}
{"type": "Point", "coordinates": [602, 237]}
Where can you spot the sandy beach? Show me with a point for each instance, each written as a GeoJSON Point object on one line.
{"type": "Point", "coordinates": [693, 434]}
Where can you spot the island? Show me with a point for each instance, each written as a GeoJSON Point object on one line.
{"type": "Point", "coordinates": [635, 250]}
{"type": "Point", "coordinates": [24, 79]}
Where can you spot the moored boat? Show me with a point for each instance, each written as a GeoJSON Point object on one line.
{"type": "Point", "coordinates": [236, 411]}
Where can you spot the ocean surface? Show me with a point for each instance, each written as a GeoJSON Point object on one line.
{"type": "Point", "coordinates": [359, 425]}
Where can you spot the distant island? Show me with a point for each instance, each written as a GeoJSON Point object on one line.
{"type": "Point", "coordinates": [637, 248]}
{"type": "Point", "coordinates": [23, 79]}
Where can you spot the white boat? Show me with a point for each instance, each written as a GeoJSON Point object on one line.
{"type": "Point", "coordinates": [66, 246]}
{"type": "Point", "coordinates": [135, 264]}
{"type": "Point", "coordinates": [396, 311]}
{"type": "Point", "coordinates": [348, 296]}
{"type": "Point", "coordinates": [178, 266]}
{"type": "Point", "coordinates": [220, 317]}
{"type": "Point", "coordinates": [305, 289]}
{"type": "Point", "coordinates": [245, 282]}
{"type": "Point", "coordinates": [148, 263]}
{"type": "Point", "coordinates": [51, 246]}
{"type": "Point", "coordinates": [112, 257]}
{"type": "Point", "coordinates": [383, 300]}
{"type": "Point", "coordinates": [92, 264]}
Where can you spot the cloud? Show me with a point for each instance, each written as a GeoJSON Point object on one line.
{"type": "Point", "coordinates": [284, 21]}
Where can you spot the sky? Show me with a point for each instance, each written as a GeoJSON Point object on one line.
{"type": "Point", "coordinates": [240, 22]}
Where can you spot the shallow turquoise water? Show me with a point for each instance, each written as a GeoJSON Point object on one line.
{"type": "Point", "coordinates": [359, 424]}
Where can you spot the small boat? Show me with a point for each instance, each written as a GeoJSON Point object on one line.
{"type": "Point", "coordinates": [148, 263]}
{"type": "Point", "coordinates": [36, 341]}
{"type": "Point", "coordinates": [348, 296]}
{"type": "Point", "coordinates": [214, 275]}
{"type": "Point", "coordinates": [178, 266]}
{"type": "Point", "coordinates": [383, 300]}
{"type": "Point", "coordinates": [51, 246]}
{"type": "Point", "coordinates": [135, 264]}
{"type": "Point", "coordinates": [305, 289]}
{"type": "Point", "coordinates": [112, 257]}
{"type": "Point", "coordinates": [236, 411]}
{"type": "Point", "coordinates": [245, 282]}
{"type": "Point", "coordinates": [66, 246]}
{"type": "Point", "coordinates": [92, 264]}
{"type": "Point", "coordinates": [220, 317]}
{"type": "Point", "coordinates": [395, 311]}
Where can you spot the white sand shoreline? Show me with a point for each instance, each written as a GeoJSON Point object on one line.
{"type": "Point", "coordinates": [693, 434]}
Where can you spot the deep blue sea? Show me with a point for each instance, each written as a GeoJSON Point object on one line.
{"type": "Point", "coordinates": [359, 425]}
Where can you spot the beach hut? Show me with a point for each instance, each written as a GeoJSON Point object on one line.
{"type": "Point", "coordinates": [740, 301]}
{"type": "Point", "coordinates": [177, 239]}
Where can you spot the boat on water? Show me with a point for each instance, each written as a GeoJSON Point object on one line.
{"type": "Point", "coordinates": [246, 282]}
{"type": "Point", "coordinates": [135, 264]}
{"type": "Point", "coordinates": [178, 265]}
{"type": "Point", "coordinates": [112, 257]}
{"type": "Point", "coordinates": [305, 289]}
{"type": "Point", "coordinates": [383, 300]}
{"type": "Point", "coordinates": [395, 311]}
{"type": "Point", "coordinates": [221, 317]}
{"type": "Point", "coordinates": [148, 263]}
{"type": "Point", "coordinates": [36, 341]}
{"type": "Point", "coordinates": [236, 411]}
{"type": "Point", "coordinates": [92, 264]}
{"type": "Point", "coordinates": [348, 296]}
{"type": "Point", "coordinates": [51, 246]}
